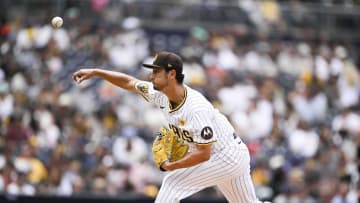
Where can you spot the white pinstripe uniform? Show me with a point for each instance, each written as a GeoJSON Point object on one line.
{"type": "Point", "coordinates": [198, 122]}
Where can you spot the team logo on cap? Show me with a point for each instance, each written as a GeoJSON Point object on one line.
{"type": "Point", "coordinates": [155, 58]}
{"type": "Point", "coordinates": [207, 133]}
{"type": "Point", "coordinates": [169, 65]}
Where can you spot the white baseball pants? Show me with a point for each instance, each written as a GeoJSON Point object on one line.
{"type": "Point", "coordinates": [229, 170]}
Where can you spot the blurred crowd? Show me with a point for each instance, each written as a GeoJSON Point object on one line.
{"type": "Point", "coordinates": [294, 102]}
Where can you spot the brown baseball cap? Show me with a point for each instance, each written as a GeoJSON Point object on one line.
{"type": "Point", "coordinates": [166, 60]}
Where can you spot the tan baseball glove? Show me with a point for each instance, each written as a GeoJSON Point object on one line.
{"type": "Point", "coordinates": [168, 146]}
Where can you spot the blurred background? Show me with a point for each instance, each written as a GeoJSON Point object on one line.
{"type": "Point", "coordinates": [285, 73]}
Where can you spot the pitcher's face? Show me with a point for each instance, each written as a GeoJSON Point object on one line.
{"type": "Point", "coordinates": [160, 78]}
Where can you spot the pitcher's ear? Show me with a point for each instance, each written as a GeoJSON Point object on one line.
{"type": "Point", "coordinates": [172, 73]}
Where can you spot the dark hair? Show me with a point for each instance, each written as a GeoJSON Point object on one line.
{"type": "Point", "coordinates": [180, 78]}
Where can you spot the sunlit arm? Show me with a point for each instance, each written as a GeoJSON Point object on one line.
{"type": "Point", "coordinates": [119, 79]}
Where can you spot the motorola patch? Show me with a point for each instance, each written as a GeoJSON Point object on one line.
{"type": "Point", "coordinates": [207, 133]}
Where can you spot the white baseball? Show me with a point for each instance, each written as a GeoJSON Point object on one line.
{"type": "Point", "coordinates": [57, 22]}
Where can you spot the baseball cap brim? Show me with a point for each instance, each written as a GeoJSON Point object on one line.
{"type": "Point", "coordinates": [152, 66]}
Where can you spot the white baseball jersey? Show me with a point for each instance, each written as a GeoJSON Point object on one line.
{"type": "Point", "coordinates": [198, 122]}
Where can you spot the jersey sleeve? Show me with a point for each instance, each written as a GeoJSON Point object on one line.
{"type": "Point", "coordinates": [146, 89]}
{"type": "Point", "coordinates": [204, 133]}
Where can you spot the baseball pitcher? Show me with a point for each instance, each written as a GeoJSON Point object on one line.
{"type": "Point", "coordinates": [199, 148]}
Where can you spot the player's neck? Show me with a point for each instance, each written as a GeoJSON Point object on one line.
{"type": "Point", "coordinates": [176, 95]}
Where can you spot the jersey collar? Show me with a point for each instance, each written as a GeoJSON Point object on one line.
{"type": "Point", "coordinates": [181, 104]}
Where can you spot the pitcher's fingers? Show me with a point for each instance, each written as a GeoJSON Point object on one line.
{"type": "Point", "coordinates": [76, 78]}
{"type": "Point", "coordinates": [82, 78]}
{"type": "Point", "coordinates": [73, 77]}
{"type": "Point", "coordinates": [77, 75]}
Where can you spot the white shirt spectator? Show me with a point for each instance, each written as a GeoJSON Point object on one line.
{"type": "Point", "coordinates": [336, 66]}
{"type": "Point", "coordinates": [69, 177]}
{"type": "Point", "coordinates": [6, 101]}
{"type": "Point", "coordinates": [128, 148]}
{"type": "Point", "coordinates": [62, 39]}
{"type": "Point", "coordinates": [311, 109]}
{"type": "Point", "coordinates": [348, 94]}
{"type": "Point", "coordinates": [227, 59]}
{"type": "Point", "coordinates": [347, 121]}
{"type": "Point", "coordinates": [348, 85]}
{"type": "Point", "coordinates": [18, 83]}
{"type": "Point", "coordinates": [303, 61]}
{"type": "Point", "coordinates": [127, 49]}
{"type": "Point", "coordinates": [322, 68]}
{"type": "Point", "coordinates": [49, 136]}
{"type": "Point", "coordinates": [209, 59]}
{"type": "Point", "coordinates": [303, 143]}
{"type": "Point", "coordinates": [350, 197]}
{"type": "Point", "coordinates": [337, 62]}
{"type": "Point", "coordinates": [260, 64]}
{"type": "Point", "coordinates": [286, 59]}
{"type": "Point", "coordinates": [84, 96]}
{"type": "Point", "coordinates": [227, 94]}
{"type": "Point", "coordinates": [16, 189]}
{"type": "Point", "coordinates": [255, 124]}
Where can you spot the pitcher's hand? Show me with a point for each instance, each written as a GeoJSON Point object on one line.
{"type": "Point", "coordinates": [82, 74]}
